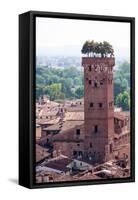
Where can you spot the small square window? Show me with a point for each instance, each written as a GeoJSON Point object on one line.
{"type": "Point", "coordinates": [91, 105]}
{"type": "Point", "coordinates": [101, 82]}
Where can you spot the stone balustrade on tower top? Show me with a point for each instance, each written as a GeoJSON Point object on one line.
{"type": "Point", "coordinates": [110, 61]}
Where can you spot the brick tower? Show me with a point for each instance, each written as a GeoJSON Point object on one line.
{"type": "Point", "coordinates": [98, 108]}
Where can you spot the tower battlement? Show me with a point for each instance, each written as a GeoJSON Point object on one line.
{"type": "Point", "coordinates": [109, 61]}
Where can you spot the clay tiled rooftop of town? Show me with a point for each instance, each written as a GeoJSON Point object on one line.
{"type": "Point", "coordinates": [65, 125]}
{"type": "Point", "coordinates": [47, 121]}
{"type": "Point", "coordinates": [59, 164]}
{"type": "Point", "coordinates": [41, 153]}
{"type": "Point", "coordinates": [74, 116]}
{"type": "Point", "coordinates": [120, 115]}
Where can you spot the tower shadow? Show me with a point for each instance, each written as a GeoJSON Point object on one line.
{"type": "Point", "coordinates": [13, 180]}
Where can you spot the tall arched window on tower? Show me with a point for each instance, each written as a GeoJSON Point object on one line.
{"type": "Point", "coordinates": [96, 83]}
{"type": "Point", "coordinates": [90, 69]}
{"type": "Point", "coordinates": [90, 145]}
{"type": "Point", "coordinates": [111, 148]}
{"type": "Point", "coordinates": [90, 82]}
{"type": "Point", "coordinates": [77, 132]}
{"type": "Point", "coordinates": [96, 128]}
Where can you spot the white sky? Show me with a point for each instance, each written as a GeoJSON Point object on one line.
{"type": "Point", "coordinates": [52, 32]}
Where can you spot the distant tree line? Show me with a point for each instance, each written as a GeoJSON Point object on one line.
{"type": "Point", "coordinates": [122, 85]}
{"type": "Point", "coordinates": [97, 49]}
{"type": "Point", "coordinates": [59, 83]}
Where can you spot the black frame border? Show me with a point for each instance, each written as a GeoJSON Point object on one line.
{"type": "Point", "coordinates": [27, 56]}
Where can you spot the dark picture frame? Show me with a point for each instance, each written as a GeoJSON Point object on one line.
{"type": "Point", "coordinates": [27, 70]}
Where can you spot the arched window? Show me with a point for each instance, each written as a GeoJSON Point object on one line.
{"type": "Point", "coordinates": [78, 132]}
{"type": "Point", "coordinates": [90, 145]}
{"type": "Point", "coordinates": [90, 82]}
{"type": "Point", "coordinates": [90, 69]}
{"type": "Point", "coordinates": [95, 84]}
{"type": "Point", "coordinates": [95, 128]}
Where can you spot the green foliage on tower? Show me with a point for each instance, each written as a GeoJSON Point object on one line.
{"type": "Point", "coordinates": [97, 49]}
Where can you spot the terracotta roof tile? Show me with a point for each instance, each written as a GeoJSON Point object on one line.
{"type": "Point", "coordinates": [59, 164]}
{"type": "Point", "coordinates": [41, 153]}
{"type": "Point", "coordinates": [120, 115]}
{"type": "Point", "coordinates": [74, 116]}
{"type": "Point", "coordinates": [47, 121]}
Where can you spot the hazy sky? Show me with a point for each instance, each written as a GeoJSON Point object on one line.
{"type": "Point", "coordinates": [56, 34]}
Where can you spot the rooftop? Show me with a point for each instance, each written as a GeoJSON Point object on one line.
{"type": "Point", "coordinates": [120, 115]}
{"type": "Point", "coordinates": [66, 125]}
{"type": "Point", "coordinates": [47, 121]}
{"type": "Point", "coordinates": [74, 116]}
{"type": "Point", "coordinates": [41, 153]}
{"type": "Point", "coordinates": [59, 163]}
